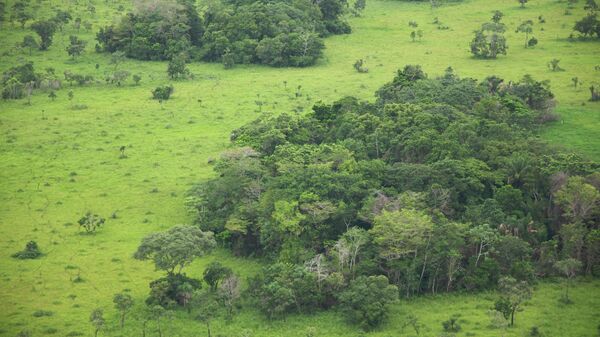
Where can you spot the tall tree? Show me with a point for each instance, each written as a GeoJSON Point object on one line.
{"type": "Point", "coordinates": [45, 29]}
{"type": "Point", "coordinates": [123, 302]}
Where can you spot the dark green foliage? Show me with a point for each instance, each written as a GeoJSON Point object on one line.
{"type": "Point", "coordinates": [91, 222]}
{"type": "Point", "coordinates": [175, 248]}
{"type": "Point", "coordinates": [454, 162]}
{"type": "Point", "coordinates": [46, 30]}
{"type": "Point", "coordinates": [283, 288]}
{"type": "Point", "coordinates": [451, 325]}
{"type": "Point", "coordinates": [177, 68]}
{"type": "Point", "coordinates": [136, 36]}
{"type": "Point", "coordinates": [76, 46]}
{"type": "Point", "coordinates": [366, 300]}
{"type": "Point", "coordinates": [31, 251]}
{"type": "Point", "coordinates": [588, 26]}
{"type": "Point", "coordinates": [162, 93]}
{"type": "Point", "coordinates": [172, 289]}
{"type": "Point", "coordinates": [123, 303]}
{"type": "Point", "coordinates": [30, 43]}
{"type": "Point", "coordinates": [97, 320]}
{"type": "Point", "coordinates": [214, 273]}
{"type": "Point", "coordinates": [273, 33]}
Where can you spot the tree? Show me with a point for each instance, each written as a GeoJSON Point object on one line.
{"type": "Point", "coordinates": [30, 43]}
{"type": "Point", "coordinates": [229, 293]}
{"type": "Point", "coordinates": [527, 28]}
{"type": "Point", "coordinates": [157, 313]}
{"type": "Point", "coordinates": [348, 248]}
{"type": "Point", "coordinates": [578, 199]}
{"type": "Point", "coordinates": [554, 65]}
{"type": "Point", "coordinates": [177, 67]}
{"type": "Point", "coordinates": [497, 17]}
{"type": "Point", "coordinates": [123, 303]}
{"type": "Point", "coordinates": [117, 58]}
{"type": "Point", "coordinates": [45, 29]}
{"type": "Point", "coordinates": [162, 93]}
{"type": "Point", "coordinates": [76, 46]}
{"type": "Point", "coordinates": [569, 268]}
{"type": "Point", "coordinates": [366, 300]}
{"type": "Point", "coordinates": [90, 222]}
{"type": "Point", "coordinates": [97, 320]}
{"type": "Point", "coordinates": [175, 248]}
{"type": "Point", "coordinates": [137, 78]}
{"type": "Point", "coordinates": [31, 251]}
{"type": "Point", "coordinates": [523, 2]}
{"type": "Point", "coordinates": [489, 41]}
{"type": "Point", "coordinates": [205, 308]}
{"type": "Point", "coordinates": [52, 95]}
{"type": "Point", "coordinates": [512, 294]}
{"type": "Point", "coordinates": [214, 273]}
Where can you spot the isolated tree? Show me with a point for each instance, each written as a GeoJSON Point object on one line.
{"type": "Point", "coordinates": [157, 313]}
{"type": "Point", "coordinates": [366, 300]}
{"type": "Point", "coordinates": [90, 222]}
{"type": "Point", "coordinates": [31, 251]}
{"type": "Point", "coordinates": [205, 308]}
{"type": "Point", "coordinates": [229, 293]}
{"type": "Point", "coordinates": [175, 248]}
{"type": "Point", "coordinates": [214, 273]}
{"type": "Point", "coordinates": [177, 67]}
{"type": "Point", "coordinates": [359, 6]}
{"type": "Point", "coordinates": [512, 294]}
{"type": "Point", "coordinates": [119, 77]}
{"type": "Point", "coordinates": [554, 65]}
{"type": "Point", "coordinates": [45, 29]}
{"type": "Point", "coordinates": [52, 95]}
{"type": "Point", "coordinates": [61, 18]}
{"type": "Point", "coordinates": [569, 268]}
{"type": "Point", "coordinates": [497, 17]}
{"type": "Point", "coordinates": [137, 78]}
{"type": "Point", "coordinates": [97, 320]}
{"type": "Point", "coordinates": [162, 93]}
{"type": "Point", "coordinates": [575, 81]}
{"type": "Point", "coordinates": [117, 58]}
{"type": "Point", "coordinates": [76, 46]}
{"type": "Point", "coordinates": [527, 28]}
{"type": "Point", "coordinates": [123, 303]}
{"type": "Point", "coordinates": [30, 43]}
{"type": "Point", "coordinates": [489, 41]}
{"type": "Point", "coordinates": [522, 2]}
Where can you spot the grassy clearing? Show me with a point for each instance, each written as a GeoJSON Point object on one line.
{"type": "Point", "coordinates": [58, 162]}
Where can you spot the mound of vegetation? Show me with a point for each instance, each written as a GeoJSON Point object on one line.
{"type": "Point", "coordinates": [276, 33]}
{"type": "Point", "coordinates": [440, 185]}
{"type": "Point", "coordinates": [31, 251]}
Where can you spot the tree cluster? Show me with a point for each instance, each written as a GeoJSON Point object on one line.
{"type": "Point", "coordinates": [276, 33]}
{"type": "Point", "coordinates": [442, 184]}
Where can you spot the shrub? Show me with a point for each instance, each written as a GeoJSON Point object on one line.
{"type": "Point", "coordinates": [31, 251]}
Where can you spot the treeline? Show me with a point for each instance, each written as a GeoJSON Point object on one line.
{"type": "Point", "coordinates": [276, 33]}
{"type": "Point", "coordinates": [440, 185]}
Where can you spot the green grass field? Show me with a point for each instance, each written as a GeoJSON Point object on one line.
{"type": "Point", "coordinates": [58, 162]}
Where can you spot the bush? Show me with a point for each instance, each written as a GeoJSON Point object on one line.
{"type": "Point", "coordinates": [162, 93]}
{"type": "Point", "coordinates": [31, 251]}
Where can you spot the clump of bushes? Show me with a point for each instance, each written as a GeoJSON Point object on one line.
{"type": "Point", "coordinates": [31, 251]}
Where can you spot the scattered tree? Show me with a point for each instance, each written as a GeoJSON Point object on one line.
{"type": "Point", "coordinates": [175, 248]}
{"type": "Point", "coordinates": [30, 43]}
{"type": "Point", "coordinates": [90, 222]}
{"type": "Point", "coordinates": [123, 303]}
{"type": "Point", "coordinates": [554, 65]}
{"type": "Point", "coordinates": [527, 28]}
{"type": "Point", "coordinates": [31, 251]}
{"type": "Point", "coordinates": [76, 46]}
{"type": "Point", "coordinates": [569, 268]}
{"type": "Point", "coordinates": [97, 320]}
{"type": "Point", "coordinates": [513, 294]}
{"type": "Point", "coordinates": [214, 273]}
{"type": "Point", "coordinates": [45, 29]}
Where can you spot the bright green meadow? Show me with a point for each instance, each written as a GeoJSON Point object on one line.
{"type": "Point", "coordinates": [57, 162]}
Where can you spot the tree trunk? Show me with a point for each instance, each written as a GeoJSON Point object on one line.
{"type": "Point", "coordinates": [208, 327]}
{"type": "Point", "coordinates": [122, 320]}
{"type": "Point", "coordinates": [512, 316]}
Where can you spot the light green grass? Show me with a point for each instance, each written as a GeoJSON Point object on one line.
{"type": "Point", "coordinates": [168, 149]}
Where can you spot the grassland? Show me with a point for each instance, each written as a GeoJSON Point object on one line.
{"type": "Point", "coordinates": [58, 162]}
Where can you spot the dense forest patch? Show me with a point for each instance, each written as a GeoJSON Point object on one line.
{"type": "Point", "coordinates": [276, 33]}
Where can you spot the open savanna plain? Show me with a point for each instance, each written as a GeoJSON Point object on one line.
{"type": "Point", "coordinates": [57, 162]}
